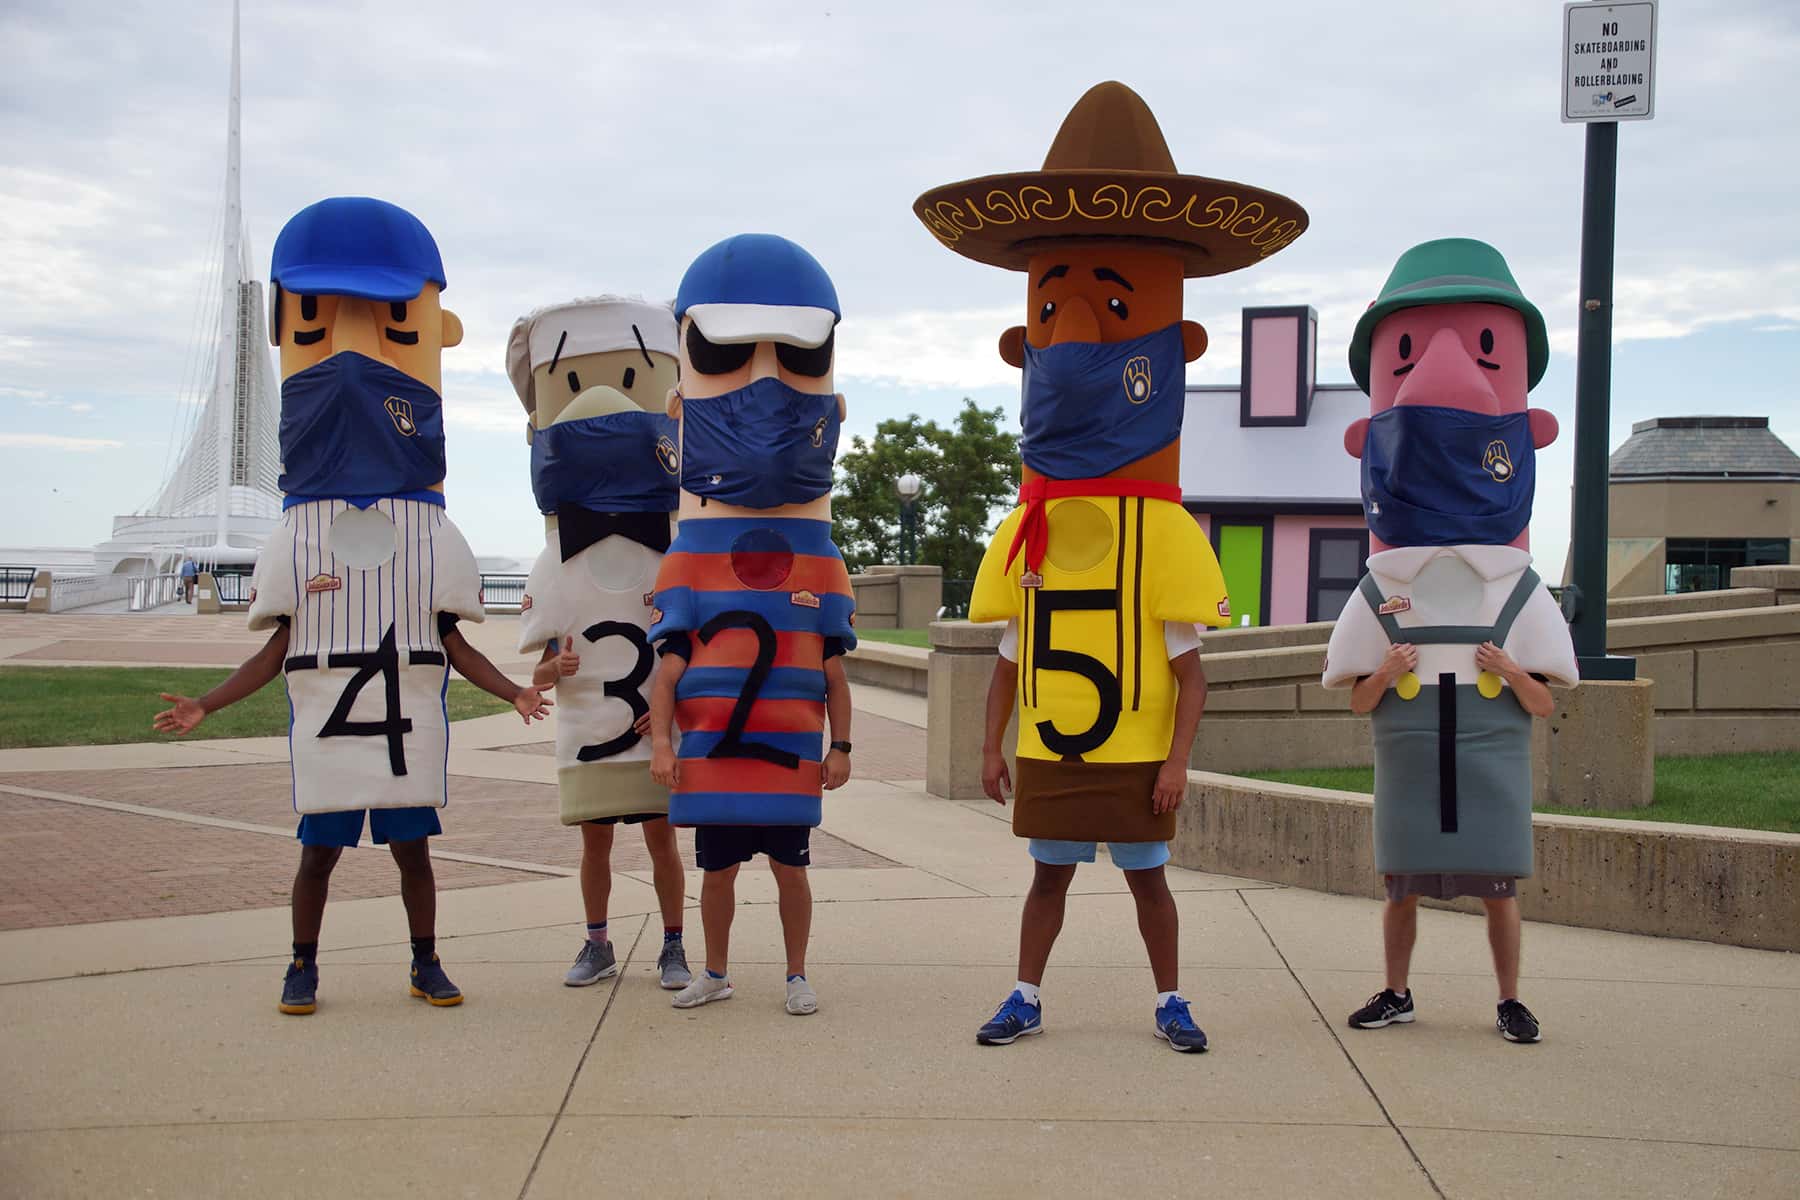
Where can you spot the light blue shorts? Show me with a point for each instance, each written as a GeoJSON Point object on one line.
{"type": "Point", "coordinates": [1127, 856]}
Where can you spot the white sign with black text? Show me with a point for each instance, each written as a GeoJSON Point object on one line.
{"type": "Point", "coordinates": [1609, 61]}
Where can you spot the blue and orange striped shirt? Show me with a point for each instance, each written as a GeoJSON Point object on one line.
{"type": "Point", "coordinates": [755, 605]}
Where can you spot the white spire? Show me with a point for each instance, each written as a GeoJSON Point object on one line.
{"type": "Point", "coordinates": [225, 384]}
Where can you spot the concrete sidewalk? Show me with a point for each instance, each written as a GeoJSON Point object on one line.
{"type": "Point", "coordinates": [146, 1057]}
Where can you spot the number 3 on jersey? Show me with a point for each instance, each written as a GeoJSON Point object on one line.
{"type": "Point", "coordinates": [629, 687]}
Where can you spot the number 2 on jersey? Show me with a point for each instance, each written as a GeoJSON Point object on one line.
{"type": "Point", "coordinates": [733, 745]}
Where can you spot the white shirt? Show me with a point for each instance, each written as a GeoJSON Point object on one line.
{"type": "Point", "coordinates": [1450, 585]}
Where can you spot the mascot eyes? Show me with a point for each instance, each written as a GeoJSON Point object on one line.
{"type": "Point", "coordinates": [574, 383]}
{"type": "Point", "coordinates": [1048, 311]}
{"type": "Point", "coordinates": [309, 308]}
{"type": "Point", "coordinates": [811, 362]}
{"type": "Point", "coordinates": [630, 378]}
{"type": "Point", "coordinates": [1406, 345]}
{"type": "Point", "coordinates": [1118, 309]}
{"type": "Point", "coordinates": [1487, 341]}
{"type": "Point", "coordinates": [714, 358]}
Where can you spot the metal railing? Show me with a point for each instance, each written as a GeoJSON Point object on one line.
{"type": "Point", "coordinates": [234, 587]}
{"type": "Point", "coordinates": [502, 593]}
{"type": "Point", "coordinates": [79, 591]}
{"type": "Point", "coordinates": [154, 591]}
{"type": "Point", "coordinates": [15, 584]}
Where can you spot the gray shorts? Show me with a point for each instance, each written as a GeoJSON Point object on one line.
{"type": "Point", "coordinates": [1449, 887]}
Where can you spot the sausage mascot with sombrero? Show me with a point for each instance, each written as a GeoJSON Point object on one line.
{"type": "Point", "coordinates": [1451, 636]}
{"type": "Point", "coordinates": [594, 375]}
{"type": "Point", "coordinates": [1101, 574]}
{"type": "Point", "coordinates": [753, 604]}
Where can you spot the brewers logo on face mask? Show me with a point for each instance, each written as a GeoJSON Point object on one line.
{"type": "Point", "coordinates": [401, 413]}
{"type": "Point", "coordinates": [668, 456]}
{"type": "Point", "coordinates": [1137, 379]}
{"type": "Point", "coordinates": [1497, 462]}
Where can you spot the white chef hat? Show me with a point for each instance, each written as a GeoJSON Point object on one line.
{"type": "Point", "coordinates": [590, 325]}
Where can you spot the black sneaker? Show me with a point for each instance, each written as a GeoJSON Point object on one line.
{"type": "Point", "coordinates": [431, 984]}
{"type": "Point", "coordinates": [300, 990]}
{"type": "Point", "coordinates": [1516, 1024]}
{"type": "Point", "coordinates": [1383, 1009]}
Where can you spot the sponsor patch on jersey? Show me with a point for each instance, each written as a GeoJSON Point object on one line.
{"type": "Point", "coordinates": [1395, 604]}
{"type": "Point", "coordinates": [649, 599]}
{"type": "Point", "coordinates": [253, 595]}
{"type": "Point", "coordinates": [803, 598]}
{"type": "Point", "coordinates": [323, 583]}
{"type": "Point", "coordinates": [1031, 579]}
{"type": "Point", "coordinates": [525, 604]}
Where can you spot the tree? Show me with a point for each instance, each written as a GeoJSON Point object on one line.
{"type": "Point", "coordinates": [970, 473]}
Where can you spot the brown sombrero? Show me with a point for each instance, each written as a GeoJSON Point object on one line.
{"type": "Point", "coordinates": [1109, 174]}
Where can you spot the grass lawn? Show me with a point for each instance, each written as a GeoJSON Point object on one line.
{"type": "Point", "coordinates": [1743, 791]}
{"type": "Point", "coordinates": [899, 637]}
{"type": "Point", "coordinates": [96, 706]}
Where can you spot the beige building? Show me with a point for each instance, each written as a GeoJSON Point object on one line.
{"type": "Point", "coordinates": [1693, 497]}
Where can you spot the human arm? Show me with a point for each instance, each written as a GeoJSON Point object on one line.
{"type": "Point", "coordinates": [665, 768]}
{"type": "Point", "coordinates": [837, 711]}
{"type": "Point", "coordinates": [554, 665]}
{"type": "Point", "coordinates": [256, 671]}
{"type": "Point", "coordinates": [474, 666]}
{"type": "Point", "coordinates": [1190, 702]}
{"type": "Point", "coordinates": [996, 781]}
{"type": "Point", "coordinates": [1532, 694]}
{"type": "Point", "coordinates": [1400, 658]}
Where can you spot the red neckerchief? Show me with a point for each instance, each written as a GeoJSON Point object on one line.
{"type": "Point", "coordinates": [1034, 526]}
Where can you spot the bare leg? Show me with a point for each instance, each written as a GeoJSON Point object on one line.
{"type": "Point", "coordinates": [1504, 938]}
{"type": "Point", "coordinates": [1042, 919]}
{"type": "Point", "coordinates": [596, 870]}
{"type": "Point", "coordinates": [418, 887]}
{"type": "Point", "coordinates": [718, 903]}
{"type": "Point", "coordinates": [312, 884]}
{"type": "Point", "coordinates": [665, 870]}
{"type": "Point", "coordinates": [795, 893]}
{"type": "Point", "coordinates": [1399, 931]}
{"type": "Point", "coordinates": [1159, 924]}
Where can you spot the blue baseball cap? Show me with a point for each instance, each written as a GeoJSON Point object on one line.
{"type": "Point", "coordinates": [356, 246]}
{"type": "Point", "coordinates": [757, 287]}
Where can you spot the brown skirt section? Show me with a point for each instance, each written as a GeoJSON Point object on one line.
{"type": "Point", "coordinates": [1088, 802]}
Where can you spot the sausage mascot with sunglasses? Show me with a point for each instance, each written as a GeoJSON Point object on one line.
{"type": "Point", "coordinates": [753, 603]}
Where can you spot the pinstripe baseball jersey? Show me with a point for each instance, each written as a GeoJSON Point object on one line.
{"type": "Point", "coordinates": [362, 589]}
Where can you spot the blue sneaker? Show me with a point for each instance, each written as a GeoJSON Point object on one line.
{"type": "Point", "coordinates": [1014, 1020]}
{"type": "Point", "coordinates": [300, 990]}
{"type": "Point", "coordinates": [1175, 1025]}
{"type": "Point", "coordinates": [430, 983]}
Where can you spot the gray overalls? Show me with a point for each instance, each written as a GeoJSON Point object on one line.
{"type": "Point", "coordinates": [1452, 766]}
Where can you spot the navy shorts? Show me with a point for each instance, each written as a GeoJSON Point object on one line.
{"type": "Point", "coordinates": [385, 825]}
{"type": "Point", "coordinates": [718, 847]}
{"type": "Point", "coordinates": [633, 819]}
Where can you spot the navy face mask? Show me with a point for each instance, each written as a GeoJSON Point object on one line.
{"type": "Point", "coordinates": [1092, 407]}
{"type": "Point", "coordinates": [615, 463]}
{"type": "Point", "coordinates": [354, 427]}
{"type": "Point", "coordinates": [1447, 477]}
{"type": "Point", "coordinates": [761, 446]}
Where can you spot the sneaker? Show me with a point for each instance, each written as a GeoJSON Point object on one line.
{"type": "Point", "coordinates": [1175, 1025]}
{"type": "Point", "coordinates": [1013, 1020]}
{"type": "Point", "coordinates": [595, 962]}
{"type": "Point", "coordinates": [300, 990]}
{"type": "Point", "coordinates": [802, 1001]}
{"type": "Point", "coordinates": [1516, 1024]}
{"type": "Point", "coordinates": [430, 983]}
{"type": "Point", "coordinates": [672, 968]}
{"type": "Point", "coordinates": [1383, 1009]}
{"type": "Point", "coordinates": [703, 990]}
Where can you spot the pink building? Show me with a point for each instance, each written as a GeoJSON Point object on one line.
{"type": "Point", "coordinates": [1264, 471]}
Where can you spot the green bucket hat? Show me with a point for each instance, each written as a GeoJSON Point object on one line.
{"type": "Point", "coordinates": [1450, 271]}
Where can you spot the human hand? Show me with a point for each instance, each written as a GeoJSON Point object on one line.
{"type": "Point", "coordinates": [1489, 657]}
{"type": "Point", "coordinates": [1401, 657]}
{"type": "Point", "coordinates": [836, 768]}
{"type": "Point", "coordinates": [641, 726]}
{"type": "Point", "coordinates": [532, 705]}
{"type": "Point", "coordinates": [567, 662]}
{"type": "Point", "coordinates": [1171, 787]}
{"type": "Point", "coordinates": [996, 781]}
{"type": "Point", "coordinates": [665, 768]}
{"type": "Point", "coordinates": [182, 719]}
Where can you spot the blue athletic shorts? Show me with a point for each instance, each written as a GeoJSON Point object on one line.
{"type": "Point", "coordinates": [1127, 856]}
{"type": "Point", "coordinates": [385, 825]}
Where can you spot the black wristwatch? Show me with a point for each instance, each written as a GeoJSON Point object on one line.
{"type": "Point", "coordinates": [844, 746]}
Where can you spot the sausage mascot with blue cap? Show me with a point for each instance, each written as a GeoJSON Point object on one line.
{"type": "Point", "coordinates": [1451, 637]}
{"type": "Point", "coordinates": [594, 376]}
{"type": "Point", "coordinates": [1101, 575]}
{"type": "Point", "coordinates": [754, 608]}
{"type": "Point", "coordinates": [363, 582]}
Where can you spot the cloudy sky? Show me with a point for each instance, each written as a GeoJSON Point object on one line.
{"type": "Point", "coordinates": [558, 149]}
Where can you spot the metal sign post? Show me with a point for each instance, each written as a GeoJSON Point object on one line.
{"type": "Point", "coordinates": [1609, 58]}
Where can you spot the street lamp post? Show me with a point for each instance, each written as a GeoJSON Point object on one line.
{"type": "Point", "coordinates": [909, 486]}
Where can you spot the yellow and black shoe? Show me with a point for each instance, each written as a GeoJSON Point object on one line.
{"type": "Point", "coordinates": [300, 990]}
{"type": "Point", "coordinates": [430, 983]}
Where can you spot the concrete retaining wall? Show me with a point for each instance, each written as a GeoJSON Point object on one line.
{"type": "Point", "coordinates": [1734, 886]}
{"type": "Point", "coordinates": [901, 668]}
{"type": "Point", "coordinates": [894, 597]}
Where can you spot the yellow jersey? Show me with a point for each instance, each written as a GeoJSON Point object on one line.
{"type": "Point", "coordinates": [1094, 680]}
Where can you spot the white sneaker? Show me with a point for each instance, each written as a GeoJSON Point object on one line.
{"type": "Point", "coordinates": [703, 990]}
{"type": "Point", "coordinates": [802, 1001]}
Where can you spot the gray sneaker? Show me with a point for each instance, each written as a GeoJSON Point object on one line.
{"type": "Point", "coordinates": [802, 1001]}
{"type": "Point", "coordinates": [672, 965]}
{"type": "Point", "coordinates": [595, 962]}
{"type": "Point", "coordinates": [703, 990]}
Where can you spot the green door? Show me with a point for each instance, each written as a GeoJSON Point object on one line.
{"type": "Point", "coordinates": [1241, 550]}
